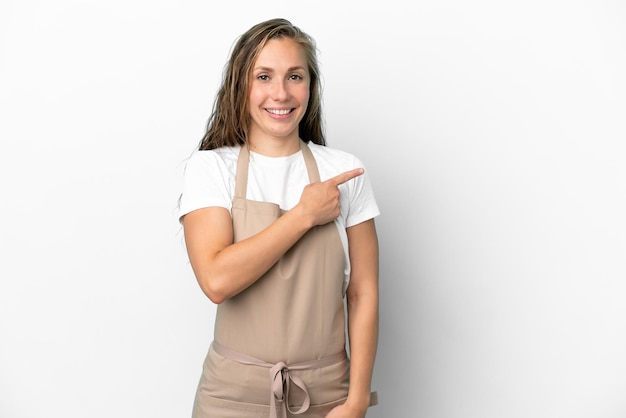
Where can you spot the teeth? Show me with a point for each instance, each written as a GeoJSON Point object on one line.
{"type": "Point", "coordinates": [279, 111]}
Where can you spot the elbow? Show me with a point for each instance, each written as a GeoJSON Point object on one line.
{"type": "Point", "coordinates": [214, 295]}
{"type": "Point", "coordinates": [218, 284]}
{"type": "Point", "coordinates": [212, 290]}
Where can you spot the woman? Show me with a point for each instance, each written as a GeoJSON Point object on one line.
{"type": "Point", "coordinates": [280, 230]}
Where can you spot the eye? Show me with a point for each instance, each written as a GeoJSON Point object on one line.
{"type": "Point", "coordinates": [263, 77]}
{"type": "Point", "coordinates": [295, 77]}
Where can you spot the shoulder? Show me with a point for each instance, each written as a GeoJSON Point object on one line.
{"type": "Point", "coordinates": [333, 160]}
{"type": "Point", "coordinates": [330, 152]}
{"type": "Point", "coordinates": [208, 179]}
{"type": "Point", "coordinates": [219, 155]}
{"type": "Point", "coordinates": [220, 159]}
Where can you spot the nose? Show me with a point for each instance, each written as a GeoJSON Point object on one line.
{"type": "Point", "coordinates": [280, 91]}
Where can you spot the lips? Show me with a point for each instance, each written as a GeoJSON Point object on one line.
{"type": "Point", "coordinates": [279, 112]}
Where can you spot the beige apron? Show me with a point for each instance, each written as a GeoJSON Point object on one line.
{"type": "Point", "coordinates": [279, 346]}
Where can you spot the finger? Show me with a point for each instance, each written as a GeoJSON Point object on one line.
{"type": "Point", "coordinates": [345, 176]}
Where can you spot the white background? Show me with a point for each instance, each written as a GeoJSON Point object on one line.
{"type": "Point", "coordinates": [494, 134]}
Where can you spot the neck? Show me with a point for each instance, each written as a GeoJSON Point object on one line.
{"type": "Point", "coordinates": [276, 147]}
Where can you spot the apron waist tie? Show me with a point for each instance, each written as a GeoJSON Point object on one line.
{"type": "Point", "coordinates": [280, 378]}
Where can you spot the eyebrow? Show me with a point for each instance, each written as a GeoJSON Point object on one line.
{"type": "Point", "coordinates": [268, 69]}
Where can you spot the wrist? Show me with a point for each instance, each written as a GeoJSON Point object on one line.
{"type": "Point", "coordinates": [358, 403]}
{"type": "Point", "coordinates": [303, 219]}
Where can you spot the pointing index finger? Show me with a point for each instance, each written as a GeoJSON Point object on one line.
{"type": "Point", "coordinates": [346, 175]}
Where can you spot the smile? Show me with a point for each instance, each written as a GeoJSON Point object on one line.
{"type": "Point", "coordinates": [279, 111]}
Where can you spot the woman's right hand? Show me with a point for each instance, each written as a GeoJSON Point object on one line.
{"type": "Point", "coordinates": [320, 201]}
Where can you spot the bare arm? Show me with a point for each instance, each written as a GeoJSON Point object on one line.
{"type": "Point", "coordinates": [362, 296]}
{"type": "Point", "coordinates": [223, 268]}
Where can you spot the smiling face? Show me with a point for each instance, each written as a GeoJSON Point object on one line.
{"type": "Point", "coordinates": [279, 94]}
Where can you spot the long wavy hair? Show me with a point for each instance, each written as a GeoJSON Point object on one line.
{"type": "Point", "coordinates": [230, 120]}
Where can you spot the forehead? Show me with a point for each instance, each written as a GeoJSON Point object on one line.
{"type": "Point", "coordinates": [281, 53]}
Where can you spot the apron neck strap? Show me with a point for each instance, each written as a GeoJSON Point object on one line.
{"type": "Point", "coordinates": [241, 177]}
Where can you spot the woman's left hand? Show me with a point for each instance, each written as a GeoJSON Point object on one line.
{"type": "Point", "coordinates": [344, 411]}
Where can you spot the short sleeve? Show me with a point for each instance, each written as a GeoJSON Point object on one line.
{"type": "Point", "coordinates": [205, 183]}
{"type": "Point", "coordinates": [363, 204]}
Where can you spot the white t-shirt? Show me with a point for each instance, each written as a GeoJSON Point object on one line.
{"type": "Point", "coordinates": [209, 180]}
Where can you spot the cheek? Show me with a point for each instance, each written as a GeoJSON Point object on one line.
{"type": "Point", "coordinates": [303, 94]}
{"type": "Point", "coordinates": [255, 96]}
